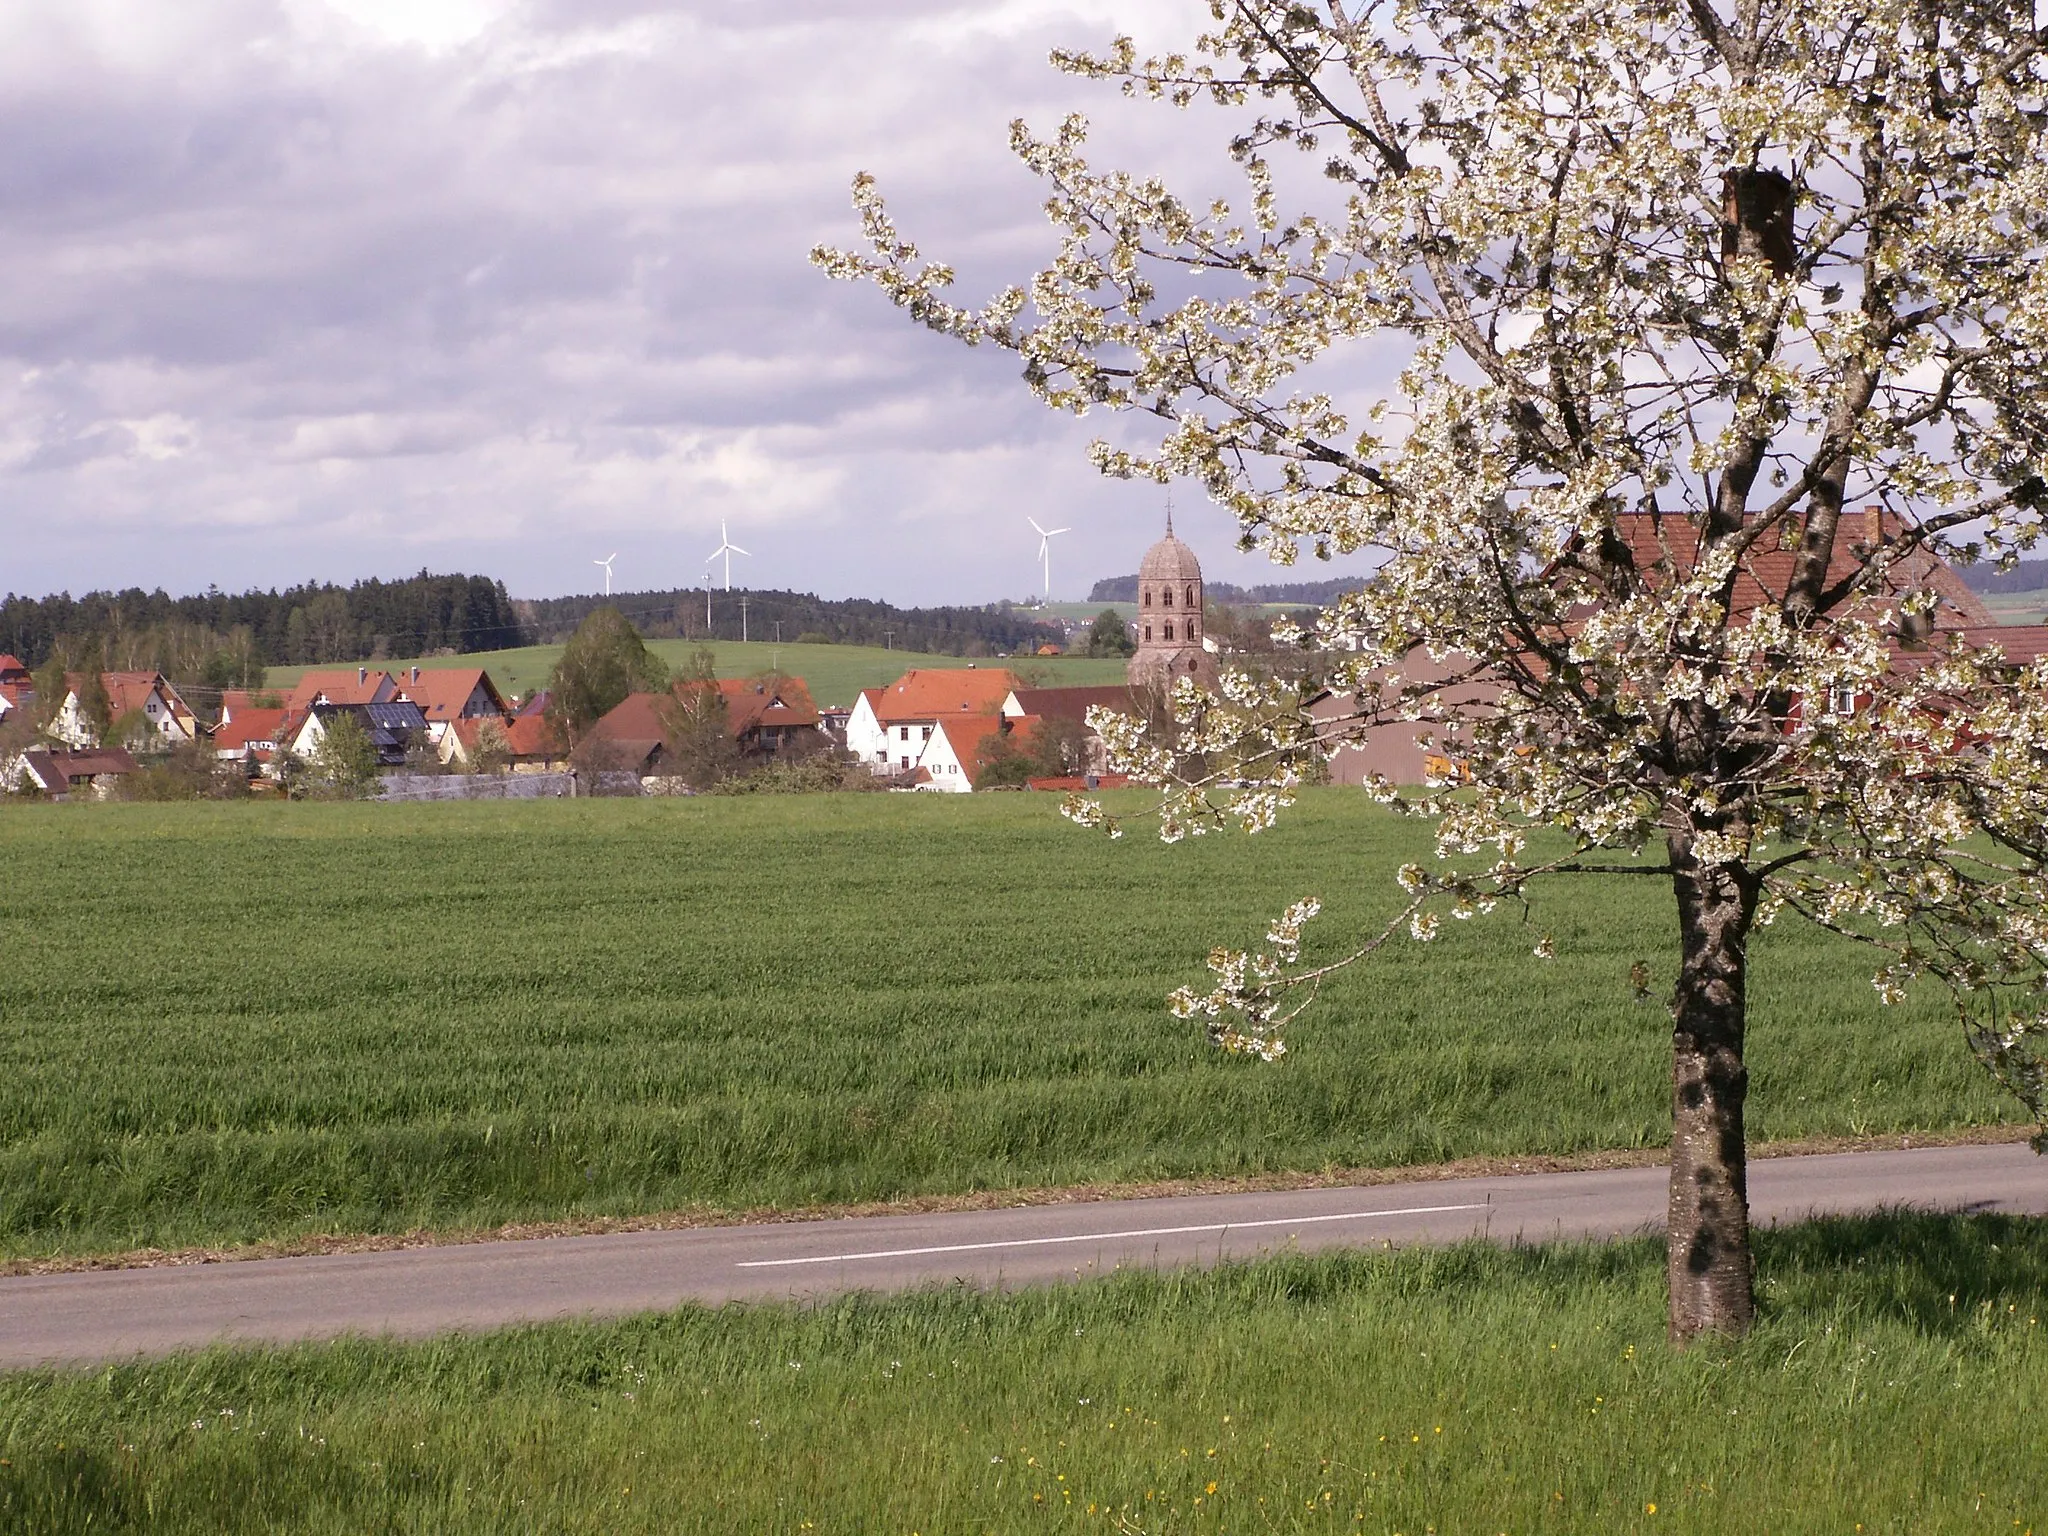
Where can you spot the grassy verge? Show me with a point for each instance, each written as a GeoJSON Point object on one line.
{"type": "Point", "coordinates": [1894, 1384]}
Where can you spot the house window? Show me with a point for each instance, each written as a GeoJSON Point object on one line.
{"type": "Point", "coordinates": [927, 733]}
{"type": "Point", "coordinates": [1842, 701]}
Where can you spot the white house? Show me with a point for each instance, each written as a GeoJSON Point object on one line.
{"type": "Point", "coordinates": [146, 701]}
{"type": "Point", "coordinates": [890, 726]}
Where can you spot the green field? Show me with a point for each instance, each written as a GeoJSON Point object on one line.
{"type": "Point", "coordinates": [835, 673]}
{"type": "Point", "coordinates": [224, 1023]}
{"type": "Point", "coordinates": [1894, 1384]}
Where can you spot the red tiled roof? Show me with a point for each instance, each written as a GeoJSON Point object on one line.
{"type": "Point", "coordinates": [13, 669]}
{"type": "Point", "coordinates": [441, 692]}
{"type": "Point", "coordinates": [749, 704]}
{"type": "Point", "coordinates": [247, 727]}
{"type": "Point", "coordinates": [1076, 781]}
{"type": "Point", "coordinates": [934, 693]}
{"type": "Point", "coordinates": [635, 718]}
{"type": "Point", "coordinates": [532, 736]}
{"type": "Point", "coordinates": [971, 735]}
{"type": "Point", "coordinates": [343, 685]}
{"type": "Point", "coordinates": [1672, 543]}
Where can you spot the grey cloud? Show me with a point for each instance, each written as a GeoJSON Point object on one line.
{"type": "Point", "coordinates": [477, 305]}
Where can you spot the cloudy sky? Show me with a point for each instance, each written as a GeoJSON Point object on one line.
{"type": "Point", "coordinates": [340, 288]}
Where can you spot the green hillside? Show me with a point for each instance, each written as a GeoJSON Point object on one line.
{"type": "Point", "coordinates": [835, 673]}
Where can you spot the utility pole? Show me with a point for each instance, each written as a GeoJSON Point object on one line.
{"type": "Point", "coordinates": [888, 639]}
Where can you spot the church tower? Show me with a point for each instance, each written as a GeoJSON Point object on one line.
{"type": "Point", "coordinates": [1170, 617]}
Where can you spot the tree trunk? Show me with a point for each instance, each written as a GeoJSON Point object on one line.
{"type": "Point", "coordinates": [1707, 1236]}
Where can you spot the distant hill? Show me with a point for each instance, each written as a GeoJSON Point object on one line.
{"type": "Point", "coordinates": [1124, 589]}
{"type": "Point", "coordinates": [678, 614]}
{"type": "Point", "coordinates": [2027, 576]}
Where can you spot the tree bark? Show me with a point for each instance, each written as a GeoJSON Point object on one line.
{"type": "Point", "coordinates": [1707, 1234]}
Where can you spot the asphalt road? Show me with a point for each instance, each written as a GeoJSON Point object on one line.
{"type": "Point", "coordinates": [86, 1318]}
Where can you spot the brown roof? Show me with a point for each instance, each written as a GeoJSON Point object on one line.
{"type": "Point", "coordinates": [55, 769]}
{"type": "Point", "coordinates": [13, 669]}
{"type": "Point", "coordinates": [532, 736]}
{"type": "Point", "coordinates": [750, 704]}
{"type": "Point", "coordinates": [441, 692]}
{"type": "Point", "coordinates": [249, 725]}
{"type": "Point", "coordinates": [1672, 543]}
{"type": "Point", "coordinates": [633, 720]}
{"type": "Point", "coordinates": [1074, 703]}
{"type": "Point", "coordinates": [343, 685]}
{"type": "Point", "coordinates": [936, 693]}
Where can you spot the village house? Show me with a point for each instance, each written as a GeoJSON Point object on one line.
{"type": "Point", "coordinates": [956, 755]}
{"type": "Point", "coordinates": [1071, 705]}
{"type": "Point", "coordinates": [1408, 753]}
{"type": "Point", "coordinates": [448, 694]}
{"type": "Point", "coordinates": [248, 735]}
{"type": "Point", "coordinates": [394, 727]}
{"type": "Point", "coordinates": [63, 773]}
{"type": "Point", "coordinates": [530, 744]}
{"type": "Point", "coordinates": [889, 726]}
{"type": "Point", "coordinates": [142, 705]}
{"type": "Point", "coordinates": [766, 719]}
{"type": "Point", "coordinates": [17, 688]}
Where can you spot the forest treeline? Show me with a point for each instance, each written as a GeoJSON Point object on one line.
{"type": "Point", "coordinates": [221, 639]}
{"type": "Point", "coordinates": [995, 630]}
{"type": "Point", "coordinates": [1124, 589]}
{"type": "Point", "coordinates": [2027, 576]}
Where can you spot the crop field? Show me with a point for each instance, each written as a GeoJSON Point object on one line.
{"type": "Point", "coordinates": [835, 674]}
{"type": "Point", "coordinates": [1894, 1384]}
{"type": "Point", "coordinates": [224, 1023]}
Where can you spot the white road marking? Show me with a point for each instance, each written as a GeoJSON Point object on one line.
{"type": "Point", "coordinates": [1104, 1237]}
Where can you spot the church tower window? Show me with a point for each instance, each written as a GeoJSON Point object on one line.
{"type": "Point", "coordinates": [1148, 631]}
{"type": "Point", "coordinates": [1169, 629]}
{"type": "Point", "coordinates": [1191, 597]}
{"type": "Point", "coordinates": [1148, 597]}
{"type": "Point", "coordinates": [1166, 598]}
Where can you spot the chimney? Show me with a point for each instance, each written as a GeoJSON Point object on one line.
{"type": "Point", "coordinates": [1873, 526]}
{"type": "Point", "coordinates": [362, 676]}
{"type": "Point", "coordinates": [415, 674]}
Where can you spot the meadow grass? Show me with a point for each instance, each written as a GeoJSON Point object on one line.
{"type": "Point", "coordinates": [226, 1023]}
{"type": "Point", "coordinates": [1893, 1384]}
{"type": "Point", "coordinates": [835, 674]}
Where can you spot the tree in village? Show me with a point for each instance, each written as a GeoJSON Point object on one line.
{"type": "Point", "coordinates": [1109, 635]}
{"type": "Point", "coordinates": [1683, 287]}
{"type": "Point", "coordinates": [344, 765]}
{"type": "Point", "coordinates": [603, 662]}
{"type": "Point", "coordinates": [697, 726]}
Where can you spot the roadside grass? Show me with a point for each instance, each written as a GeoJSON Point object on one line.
{"type": "Point", "coordinates": [1893, 1385]}
{"type": "Point", "coordinates": [231, 1023]}
{"type": "Point", "coordinates": [835, 674]}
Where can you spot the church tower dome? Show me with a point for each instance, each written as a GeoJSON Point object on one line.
{"type": "Point", "coordinates": [1170, 617]}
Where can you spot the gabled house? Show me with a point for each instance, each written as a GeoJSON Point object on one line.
{"type": "Point", "coordinates": [631, 737]}
{"type": "Point", "coordinates": [62, 772]}
{"type": "Point", "coordinates": [249, 736]}
{"type": "Point", "coordinates": [530, 743]}
{"type": "Point", "coordinates": [143, 704]}
{"type": "Point", "coordinates": [890, 726]}
{"type": "Point", "coordinates": [954, 758]}
{"type": "Point", "coordinates": [1071, 706]}
{"type": "Point", "coordinates": [340, 685]}
{"type": "Point", "coordinates": [394, 727]}
{"type": "Point", "coordinates": [17, 687]}
{"type": "Point", "coordinates": [769, 719]}
{"type": "Point", "coordinates": [448, 694]}
{"type": "Point", "coordinates": [1665, 550]}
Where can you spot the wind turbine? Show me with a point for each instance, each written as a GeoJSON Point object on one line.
{"type": "Point", "coordinates": [1045, 538]}
{"type": "Point", "coordinates": [728, 549]}
{"type": "Point", "coordinates": [606, 562]}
